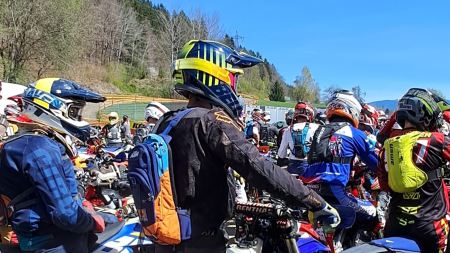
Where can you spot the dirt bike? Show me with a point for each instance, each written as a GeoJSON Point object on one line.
{"type": "Point", "coordinates": [348, 234]}
{"type": "Point", "coordinates": [123, 237]}
{"type": "Point", "coordinates": [271, 226]}
{"type": "Point", "coordinates": [385, 245]}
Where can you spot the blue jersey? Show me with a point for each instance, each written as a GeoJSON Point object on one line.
{"type": "Point", "coordinates": [36, 160]}
{"type": "Point", "coordinates": [346, 142]}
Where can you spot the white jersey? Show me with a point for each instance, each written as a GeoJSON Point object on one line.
{"type": "Point", "coordinates": [287, 143]}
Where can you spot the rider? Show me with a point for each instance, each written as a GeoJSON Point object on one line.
{"type": "Point", "coordinates": [267, 131]}
{"type": "Point", "coordinates": [321, 118]}
{"type": "Point", "coordinates": [209, 140]}
{"type": "Point", "coordinates": [288, 117]}
{"type": "Point", "coordinates": [36, 166]}
{"type": "Point", "coordinates": [153, 112]}
{"type": "Point", "coordinates": [125, 128]}
{"type": "Point", "coordinates": [112, 131]}
{"type": "Point", "coordinates": [253, 127]}
{"type": "Point", "coordinates": [420, 213]}
{"type": "Point", "coordinates": [298, 138]}
{"type": "Point", "coordinates": [333, 150]}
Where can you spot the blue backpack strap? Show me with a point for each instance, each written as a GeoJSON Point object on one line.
{"type": "Point", "coordinates": [173, 123]}
{"type": "Point", "coordinates": [304, 133]}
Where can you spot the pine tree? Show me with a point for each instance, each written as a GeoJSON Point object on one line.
{"type": "Point", "coordinates": [276, 92]}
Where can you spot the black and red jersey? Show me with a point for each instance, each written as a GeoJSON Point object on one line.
{"type": "Point", "coordinates": [430, 201]}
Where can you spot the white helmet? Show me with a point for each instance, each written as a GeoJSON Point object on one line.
{"type": "Point", "coordinates": [344, 104]}
{"type": "Point", "coordinates": [113, 118]}
{"type": "Point", "coordinates": [155, 110]}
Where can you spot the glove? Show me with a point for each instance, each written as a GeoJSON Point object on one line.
{"type": "Point", "coordinates": [328, 216]}
{"type": "Point", "coordinates": [99, 223]}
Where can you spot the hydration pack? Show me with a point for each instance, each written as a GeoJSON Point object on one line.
{"type": "Point", "coordinates": [403, 173]}
{"type": "Point", "coordinates": [264, 133]}
{"type": "Point", "coordinates": [152, 184]}
{"type": "Point", "coordinates": [301, 149]}
{"type": "Point", "coordinates": [320, 147]}
{"type": "Point", "coordinates": [248, 130]}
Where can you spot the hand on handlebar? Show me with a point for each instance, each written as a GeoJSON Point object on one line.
{"type": "Point", "coordinates": [328, 216]}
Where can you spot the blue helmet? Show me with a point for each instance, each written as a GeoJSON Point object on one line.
{"type": "Point", "coordinates": [58, 103]}
{"type": "Point", "coordinates": [210, 70]}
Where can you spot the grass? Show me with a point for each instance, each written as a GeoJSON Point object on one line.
{"type": "Point", "coordinates": [135, 111]}
{"type": "Point", "coordinates": [288, 104]}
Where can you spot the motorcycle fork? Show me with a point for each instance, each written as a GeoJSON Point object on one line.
{"type": "Point", "coordinates": [291, 245]}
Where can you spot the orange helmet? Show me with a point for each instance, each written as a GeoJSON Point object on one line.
{"type": "Point", "coordinates": [344, 104]}
{"type": "Point", "coordinates": [305, 110]}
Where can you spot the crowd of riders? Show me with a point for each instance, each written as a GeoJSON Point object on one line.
{"type": "Point", "coordinates": [318, 155]}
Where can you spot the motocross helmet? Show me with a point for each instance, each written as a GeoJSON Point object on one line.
{"type": "Point", "coordinates": [344, 104]}
{"type": "Point", "coordinates": [155, 110]}
{"type": "Point", "coordinates": [419, 107]}
{"type": "Point", "coordinates": [369, 119]}
{"type": "Point", "coordinates": [113, 118]}
{"type": "Point", "coordinates": [321, 118]}
{"type": "Point", "coordinates": [289, 117]}
{"type": "Point", "coordinates": [58, 104]}
{"type": "Point", "coordinates": [210, 70]}
{"type": "Point", "coordinates": [305, 110]}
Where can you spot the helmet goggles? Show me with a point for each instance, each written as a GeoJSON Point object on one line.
{"type": "Point", "coordinates": [70, 109]}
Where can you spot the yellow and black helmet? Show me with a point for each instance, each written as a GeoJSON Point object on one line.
{"type": "Point", "coordinates": [58, 103]}
{"type": "Point", "coordinates": [210, 69]}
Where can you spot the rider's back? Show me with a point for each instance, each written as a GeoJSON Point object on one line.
{"type": "Point", "coordinates": [200, 175]}
{"type": "Point", "coordinates": [429, 201]}
{"type": "Point", "coordinates": [27, 161]}
{"type": "Point", "coordinates": [344, 144]}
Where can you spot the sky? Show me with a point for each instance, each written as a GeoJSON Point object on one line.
{"type": "Point", "coordinates": [385, 46]}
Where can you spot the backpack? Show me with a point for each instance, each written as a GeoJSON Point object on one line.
{"type": "Point", "coordinates": [320, 149]}
{"type": "Point", "coordinates": [7, 205]}
{"type": "Point", "coordinates": [150, 174]}
{"type": "Point", "coordinates": [403, 173]}
{"type": "Point", "coordinates": [301, 150]}
{"type": "Point", "coordinates": [248, 130]}
{"type": "Point", "coordinates": [264, 133]}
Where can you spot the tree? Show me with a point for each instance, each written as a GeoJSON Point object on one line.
{"type": "Point", "coordinates": [276, 92]}
{"type": "Point", "coordinates": [328, 92]}
{"type": "Point", "coordinates": [359, 93]}
{"type": "Point", "coordinates": [305, 87]}
{"type": "Point", "coordinates": [37, 35]}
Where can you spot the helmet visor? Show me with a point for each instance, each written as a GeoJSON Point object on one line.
{"type": "Point", "coordinates": [75, 111]}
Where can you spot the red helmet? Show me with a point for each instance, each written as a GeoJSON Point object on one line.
{"type": "Point", "coordinates": [369, 116]}
{"type": "Point", "coordinates": [446, 115]}
{"type": "Point", "coordinates": [303, 109]}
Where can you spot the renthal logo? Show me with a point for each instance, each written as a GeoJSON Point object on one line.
{"type": "Point", "coordinates": [253, 209]}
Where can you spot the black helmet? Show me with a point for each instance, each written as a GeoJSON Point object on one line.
{"type": "Point", "coordinates": [321, 118]}
{"type": "Point", "coordinates": [419, 107]}
{"type": "Point", "coordinates": [289, 116]}
{"type": "Point", "coordinates": [210, 70]}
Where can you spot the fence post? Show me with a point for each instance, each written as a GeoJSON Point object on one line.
{"type": "Point", "coordinates": [134, 114]}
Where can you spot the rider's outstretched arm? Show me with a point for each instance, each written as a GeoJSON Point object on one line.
{"type": "Point", "coordinates": [228, 144]}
